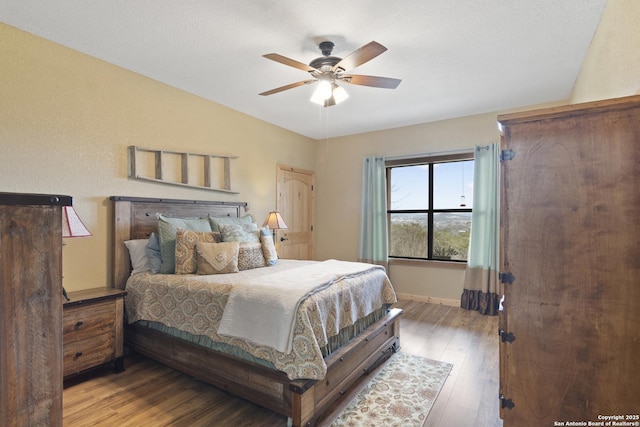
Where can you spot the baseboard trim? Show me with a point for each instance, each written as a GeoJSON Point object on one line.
{"type": "Point", "coordinates": [431, 300]}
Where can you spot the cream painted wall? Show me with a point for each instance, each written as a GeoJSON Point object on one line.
{"type": "Point", "coordinates": [612, 66]}
{"type": "Point", "coordinates": [611, 69]}
{"type": "Point", "coordinates": [66, 120]}
{"type": "Point", "coordinates": [339, 182]}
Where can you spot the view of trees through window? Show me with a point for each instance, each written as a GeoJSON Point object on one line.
{"type": "Point", "coordinates": [432, 195]}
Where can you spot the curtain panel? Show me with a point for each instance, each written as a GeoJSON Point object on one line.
{"type": "Point", "coordinates": [481, 291]}
{"type": "Point", "coordinates": [373, 244]}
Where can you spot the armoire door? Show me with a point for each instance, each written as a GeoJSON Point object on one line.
{"type": "Point", "coordinates": [570, 224]}
{"type": "Point", "coordinates": [31, 309]}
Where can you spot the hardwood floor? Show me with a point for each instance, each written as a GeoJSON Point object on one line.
{"type": "Point", "coordinates": [469, 341]}
{"type": "Point", "coordinates": [151, 394]}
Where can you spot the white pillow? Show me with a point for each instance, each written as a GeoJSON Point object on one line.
{"type": "Point", "coordinates": [138, 255]}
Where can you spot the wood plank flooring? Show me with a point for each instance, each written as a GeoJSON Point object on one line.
{"type": "Point", "coordinates": [151, 394]}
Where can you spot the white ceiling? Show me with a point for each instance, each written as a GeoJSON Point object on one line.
{"type": "Point", "coordinates": [455, 57]}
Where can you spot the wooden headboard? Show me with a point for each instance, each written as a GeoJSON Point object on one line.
{"type": "Point", "coordinates": [135, 218]}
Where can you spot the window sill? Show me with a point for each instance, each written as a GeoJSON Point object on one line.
{"type": "Point", "coordinates": [428, 263]}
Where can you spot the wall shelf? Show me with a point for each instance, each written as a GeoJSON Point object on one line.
{"type": "Point", "coordinates": [210, 172]}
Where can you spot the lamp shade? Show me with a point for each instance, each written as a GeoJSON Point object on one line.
{"type": "Point", "coordinates": [274, 221]}
{"type": "Point", "coordinates": [72, 226]}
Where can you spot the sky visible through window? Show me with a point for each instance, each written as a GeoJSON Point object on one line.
{"type": "Point", "coordinates": [409, 186]}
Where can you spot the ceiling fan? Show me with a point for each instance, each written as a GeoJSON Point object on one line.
{"type": "Point", "coordinates": [328, 70]}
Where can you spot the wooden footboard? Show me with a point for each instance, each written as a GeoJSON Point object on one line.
{"type": "Point", "coordinates": [304, 401]}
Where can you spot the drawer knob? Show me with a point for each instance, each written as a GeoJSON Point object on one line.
{"type": "Point", "coordinates": [78, 354]}
{"type": "Point", "coordinates": [78, 323]}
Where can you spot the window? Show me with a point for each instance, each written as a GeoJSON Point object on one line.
{"type": "Point", "coordinates": [430, 200]}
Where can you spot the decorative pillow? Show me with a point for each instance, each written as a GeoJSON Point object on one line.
{"type": "Point", "coordinates": [167, 228]}
{"type": "Point", "coordinates": [247, 233]}
{"type": "Point", "coordinates": [268, 247]}
{"type": "Point", "coordinates": [250, 256]}
{"type": "Point", "coordinates": [217, 258]}
{"type": "Point", "coordinates": [217, 222]}
{"type": "Point", "coordinates": [138, 255]}
{"type": "Point", "coordinates": [153, 253]}
{"type": "Point", "coordinates": [186, 248]}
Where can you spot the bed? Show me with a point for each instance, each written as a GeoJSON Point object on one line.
{"type": "Point", "coordinates": [304, 393]}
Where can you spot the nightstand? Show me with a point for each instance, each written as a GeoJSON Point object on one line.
{"type": "Point", "coordinates": [92, 329]}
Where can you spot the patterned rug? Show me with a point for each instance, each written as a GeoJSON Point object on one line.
{"type": "Point", "coordinates": [401, 394]}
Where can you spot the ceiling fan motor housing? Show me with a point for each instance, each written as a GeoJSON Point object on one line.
{"type": "Point", "coordinates": [326, 47]}
{"type": "Point", "coordinates": [327, 60]}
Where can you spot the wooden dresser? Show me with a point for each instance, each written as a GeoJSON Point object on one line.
{"type": "Point", "coordinates": [92, 326]}
{"type": "Point", "coordinates": [570, 263]}
{"type": "Point", "coordinates": [31, 309]}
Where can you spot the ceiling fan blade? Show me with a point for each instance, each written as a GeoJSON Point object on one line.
{"type": "Point", "coordinates": [288, 61]}
{"type": "Point", "coordinates": [373, 81]}
{"type": "Point", "coordinates": [360, 56]}
{"type": "Point", "coordinates": [287, 87]}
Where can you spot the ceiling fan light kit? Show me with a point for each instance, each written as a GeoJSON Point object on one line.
{"type": "Point", "coordinates": [328, 94]}
{"type": "Point", "coordinates": [327, 70]}
{"type": "Point", "coordinates": [322, 92]}
{"type": "Point", "coordinates": [339, 93]}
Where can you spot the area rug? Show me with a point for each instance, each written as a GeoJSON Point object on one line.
{"type": "Point", "coordinates": [401, 394]}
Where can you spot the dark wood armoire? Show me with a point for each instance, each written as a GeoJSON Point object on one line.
{"type": "Point", "coordinates": [570, 264]}
{"type": "Point", "coordinates": [31, 309]}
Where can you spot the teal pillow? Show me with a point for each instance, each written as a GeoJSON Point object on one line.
{"type": "Point", "coordinates": [153, 253]}
{"type": "Point", "coordinates": [167, 228]}
{"type": "Point", "coordinates": [218, 222]}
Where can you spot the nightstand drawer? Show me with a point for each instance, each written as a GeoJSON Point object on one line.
{"type": "Point", "coordinates": [84, 354]}
{"type": "Point", "coordinates": [87, 320]}
{"type": "Point", "coordinates": [92, 329]}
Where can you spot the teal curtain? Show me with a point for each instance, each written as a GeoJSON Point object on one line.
{"type": "Point", "coordinates": [481, 276]}
{"type": "Point", "coordinates": [373, 245]}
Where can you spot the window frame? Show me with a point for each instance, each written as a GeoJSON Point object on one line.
{"type": "Point", "coordinates": [430, 161]}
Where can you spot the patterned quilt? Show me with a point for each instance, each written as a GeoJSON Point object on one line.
{"type": "Point", "coordinates": [195, 304]}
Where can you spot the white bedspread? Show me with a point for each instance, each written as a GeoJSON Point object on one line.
{"type": "Point", "coordinates": [263, 310]}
